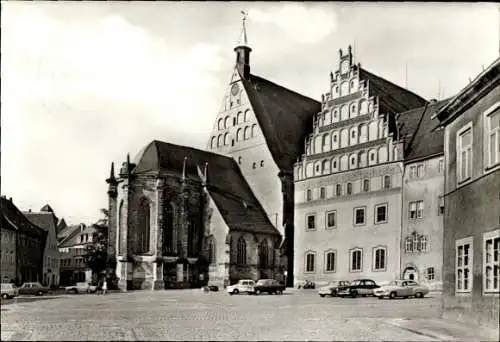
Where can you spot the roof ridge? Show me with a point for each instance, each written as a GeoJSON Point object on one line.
{"type": "Point", "coordinates": [412, 139]}
{"type": "Point", "coordinates": [192, 149]}
{"type": "Point", "coordinates": [285, 88]}
{"type": "Point", "coordinates": [392, 83]}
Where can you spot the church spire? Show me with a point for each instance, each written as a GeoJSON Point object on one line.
{"type": "Point", "coordinates": [243, 50]}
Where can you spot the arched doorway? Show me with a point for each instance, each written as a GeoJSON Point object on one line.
{"type": "Point", "coordinates": [410, 273]}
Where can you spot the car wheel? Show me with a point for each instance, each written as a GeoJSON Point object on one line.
{"type": "Point", "coordinates": [5, 296]}
{"type": "Point", "coordinates": [236, 291]}
{"type": "Point", "coordinates": [381, 297]}
{"type": "Point", "coordinates": [392, 295]}
{"type": "Point", "coordinates": [321, 295]}
{"type": "Point", "coordinates": [419, 295]}
{"type": "Point", "coordinates": [39, 293]}
{"type": "Point", "coordinates": [75, 291]}
{"type": "Point", "coordinates": [354, 294]}
{"type": "Point", "coordinates": [257, 292]}
{"type": "Point", "coordinates": [334, 294]}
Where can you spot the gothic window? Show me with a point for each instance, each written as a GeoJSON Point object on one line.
{"type": "Point", "coordinates": [261, 163]}
{"type": "Point", "coordinates": [143, 227]}
{"type": "Point", "coordinates": [220, 140]}
{"type": "Point", "coordinates": [240, 117]}
{"type": "Point", "coordinates": [122, 225]}
{"type": "Point", "coordinates": [239, 134]}
{"type": "Point", "coordinates": [213, 144]}
{"type": "Point", "coordinates": [254, 130]}
{"type": "Point", "coordinates": [263, 257]}
{"type": "Point", "coordinates": [168, 229]}
{"type": "Point", "coordinates": [226, 122]}
{"type": "Point", "coordinates": [220, 124]}
{"type": "Point", "coordinates": [246, 116]}
{"type": "Point", "coordinates": [226, 139]}
{"type": "Point", "coordinates": [247, 132]}
{"type": "Point", "coordinates": [241, 257]}
{"type": "Point", "coordinates": [192, 238]}
{"type": "Point", "coordinates": [211, 251]}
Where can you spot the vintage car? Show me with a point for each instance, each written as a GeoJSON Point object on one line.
{"type": "Point", "coordinates": [332, 288]}
{"type": "Point", "coordinates": [358, 287]}
{"type": "Point", "coordinates": [402, 288]}
{"type": "Point", "coordinates": [82, 287]}
{"type": "Point", "coordinates": [33, 288]}
{"type": "Point", "coordinates": [242, 286]}
{"type": "Point", "coordinates": [268, 285]}
{"type": "Point", "coordinates": [9, 290]}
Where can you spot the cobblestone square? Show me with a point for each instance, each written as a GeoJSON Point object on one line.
{"type": "Point", "coordinates": [194, 315]}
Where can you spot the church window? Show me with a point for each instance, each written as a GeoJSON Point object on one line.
{"type": "Point", "coordinates": [168, 229]}
{"type": "Point", "coordinates": [240, 117]}
{"type": "Point", "coordinates": [344, 67]}
{"type": "Point", "coordinates": [241, 256]}
{"type": "Point", "coordinates": [263, 254]}
{"type": "Point", "coordinates": [226, 139]}
{"type": "Point", "coordinates": [143, 227]}
{"type": "Point", "coordinates": [254, 130]}
{"type": "Point", "coordinates": [226, 122]}
{"type": "Point", "coordinates": [247, 132]}
{"type": "Point", "coordinates": [234, 121]}
{"type": "Point", "coordinates": [246, 116]}
{"type": "Point", "coordinates": [213, 144]}
{"type": "Point", "coordinates": [211, 251]}
{"type": "Point", "coordinates": [239, 134]}
{"type": "Point", "coordinates": [220, 140]}
{"type": "Point", "coordinates": [261, 163]}
{"type": "Point", "coordinates": [220, 124]}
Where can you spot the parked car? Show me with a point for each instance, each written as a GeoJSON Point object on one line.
{"type": "Point", "coordinates": [359, 287]}
{"type": "Point", "coordinates": [81, 287]}
{"type": "Point", "coordinates": [307, 285]}
{"type": "Point", "coordinates": [242, 286]}
{"type": "Point", "coordinates": [332, 288]}
{"type": "Point", "coordinates": [269, 285]}
{"type": "Point", "coordinates": [402, 288]}
{"type": "Point", "coordinates": [9, 290]}
{"type": "Point", "coordinates": [33, 288]}
{"type": "Point", "coordinates": [209, 288]}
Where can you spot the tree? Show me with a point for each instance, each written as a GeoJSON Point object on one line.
{"type": "Point", "coordinates": [96, 252]}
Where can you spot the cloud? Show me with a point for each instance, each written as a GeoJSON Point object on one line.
{"type": "Point", "coordinates": [305, 24]}
{"type": "Point", "coordinates": [77, 95]}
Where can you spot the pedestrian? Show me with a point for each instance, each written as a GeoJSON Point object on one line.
{"type": "Point", "coordinates": [104, 286]}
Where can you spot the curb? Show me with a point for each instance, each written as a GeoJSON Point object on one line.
{"type": "Point", "coordinates": [423, 333]}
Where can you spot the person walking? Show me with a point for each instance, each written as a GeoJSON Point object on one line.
{"type": "Point", "coordinates": [104, 286]}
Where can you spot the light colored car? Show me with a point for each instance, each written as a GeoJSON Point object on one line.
{"type": "Point", "coordinates": [242, 286]}
{"type": "Point", "coordinates": [332, 288]}
{"type": "Point", "coordinates": [9, 290]}
{"type": "Point", "coordinates": [82, 287]}
{"type": "Point", "coordinates": [402, 288]}
{"type": "Point", "coordinates": [33, 288]}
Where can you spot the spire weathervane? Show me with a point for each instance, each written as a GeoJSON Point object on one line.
{"type": "Point", "coordinates": [243, 36]}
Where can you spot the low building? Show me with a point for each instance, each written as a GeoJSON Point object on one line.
{"type": "Point", "coordinates": [9, 242]}
{"type": "Point", "coordinates": [30, 243]}
{"type": "Point", "coordinates": [47, 220]}
{"type": "Point", "coordinates": [72, 249]}
{"type": "Point", "coordinates": [471, 121]}
{"type": "Point", "coordinates": [182, 217]}
{"type": "Point", "coordinates": [423, 201]}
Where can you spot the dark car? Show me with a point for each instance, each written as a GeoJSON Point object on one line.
{"type": "Point", "coordinates": [268, 285]}
{"type": "Point", "coordinates": [33, 289]}
{"type": "Point", "coordinates": [359, 287]}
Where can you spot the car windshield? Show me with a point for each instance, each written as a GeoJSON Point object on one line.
{"type": "Point", "coordinates": [261, 282]}
{"type": "Point", "coordinates": [395, 283]}
{"type": "Point", "coordinates": [356, 282]}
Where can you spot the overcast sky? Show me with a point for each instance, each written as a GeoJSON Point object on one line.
{"type": "Point", "coordinates": [85, 83]}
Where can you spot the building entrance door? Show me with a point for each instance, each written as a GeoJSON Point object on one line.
{"type": "Point", "coordinates": [410, 273]}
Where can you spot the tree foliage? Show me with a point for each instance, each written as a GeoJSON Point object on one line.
{"type": "Point", "coordinates": [96, 252]}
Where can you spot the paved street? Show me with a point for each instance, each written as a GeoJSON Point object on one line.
{"type": "Point", "coordinates": [194, 315]}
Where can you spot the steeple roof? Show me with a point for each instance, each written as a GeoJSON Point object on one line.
{"type": "Point", "coordinates": [243, 40]}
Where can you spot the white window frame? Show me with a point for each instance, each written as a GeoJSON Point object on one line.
{"type": "Point", "coordinates": [420, 170]}
{"type": "Point", "coordinates": [486, 237]}
{"type": "Point", "coordinates": [364, 216]}
{"type": "Point", "coordinates": [420, 209]}
{"type": "Point", "coordinates": [351, 252]}
{"type": "Point", "coordinates": [460, 267]}
{"type": "Point", "coordinates": [307, 222]}
{"type": "Point", "coordinates": [306, 263]}
{"type": "Point", "coordinates": [334, 261]}
{"type": "Point", "coordinates": [410, 204]}
{"type": "Point", "coordinates": [441, 165]}
{"type": "Point", "coordinates": [375, 218]}
{"type": "Point", "coordinates": [374, 261]}
{"type": "Point", "coordinates": [427, 273]}
{"type": "Point", "coordinates": [459, 149]}
{"type": "Point", "coordinates": [488, 131]}
{"type": "Point", "coordinates": [413, 171]}
{"type": "Point", "coordinates": [326, 219]}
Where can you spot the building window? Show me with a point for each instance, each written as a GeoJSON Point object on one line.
{"type": "Point", "coordinates": [420, 170]}
{"type": "Point", "coordinates": [381, 213]}
{"type": "Point", "coordinates": [359, 216]}
{"type": "Point", "coordinates": [416, 209]}
{"type": "Point", "coordinates": [413, 170]}
{"type": "Point", "coordinates": [263, 257]}
{"type": "Point", "coordinates": [241, 256]}
{"type": "Point", "coordinates": [349, 188]}
{"type": "Point", "coordinates": [429, 273]}
{"type": "Point", "coordinates": [490, 262]}
{"type": "Point", "coordinates": [211, 251]}
{"type": "Point", "coordinates": [493, 137]}
{"type": "Point", "coordinates": [379, 258]}
{"type": "Point", "coordinates": [464, 153]}
{"type": "Point", "coordinates": [420, 209]}
{"type": "Point", "coordinates": [387, 182]}
{"type": "Point", "coordinates": [356, 260]}
{"type": "Point", "coordinates": [463, 271]}
{"type": "Point", "coordinates": [311, 221]}
{"type": "Point", "coordinates": [331, 219]}
{"type": "Point", "coordinates": [310, 262]}
{"type": "Point", "coordinates": [322, 193]}
{"type": "Point", "coordinates": [441, 206]}
{"type": "Point", "coordinates": [417, 243]}
{"type": "Point", "coordinates": [308, 195]}
{"type": "Point", "coordinates": [330, 261]}
{"type": "Point", "coordinates": [366, 185]}
{"type": "Point", "coordinates": [254, 165]}
{"type": "Point", "coordinates": [441, 165]}
{"type": "Point", "coordinates": [261, 163]}
{"type": "Point", "coordinates": [339, 190]}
